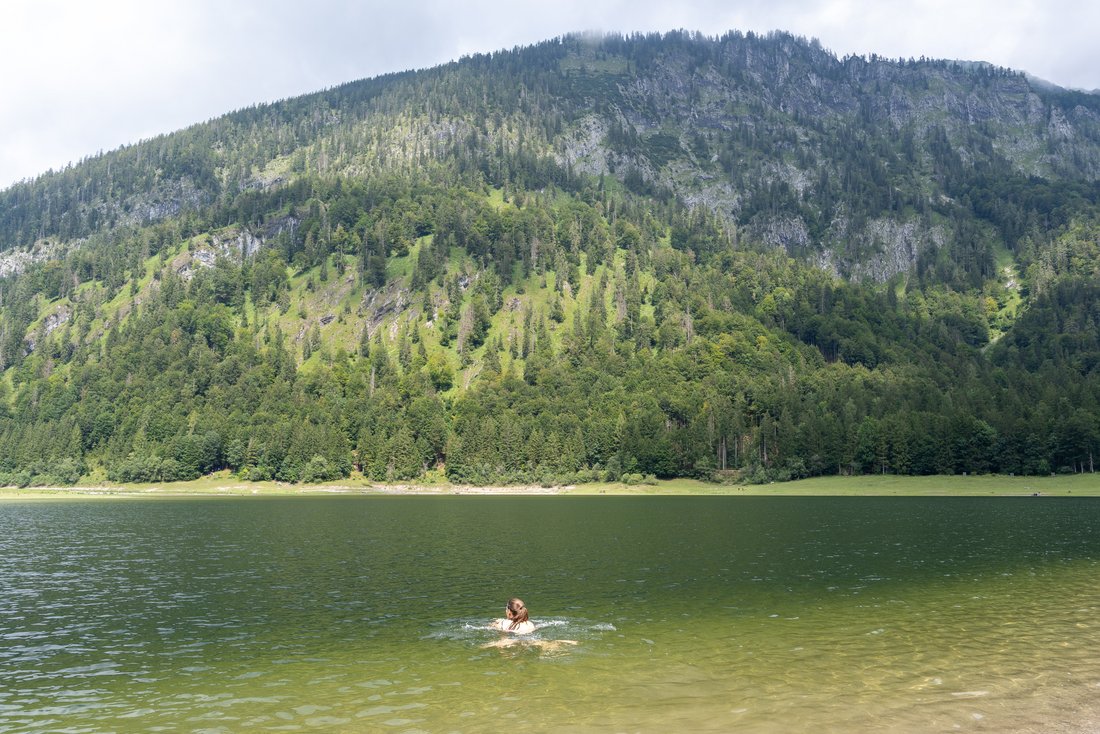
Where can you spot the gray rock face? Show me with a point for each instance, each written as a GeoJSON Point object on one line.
{"type": "Point", "coordinates": [713, 121]}
{"type": "Point", "coordinates": [803, 97]}
{"type": "Point", "coordinates": [788, 233]}
{"type": "Point", "coordinates": [18, 259]}
{"type": "Point", "coordinates": [243, 245]}
{"type": "Point", "coordinates": [56, 319]}
{"type": "Point", "coordinates": [886, 247]}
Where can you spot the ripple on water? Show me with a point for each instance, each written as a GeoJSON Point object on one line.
{"type": "Point", "coordinates": [884, 621]}
{"type": "Point", "coordinates": [477, 630]}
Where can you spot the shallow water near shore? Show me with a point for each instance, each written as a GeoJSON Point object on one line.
{"type": "Point", "coordinates": [690, 614]}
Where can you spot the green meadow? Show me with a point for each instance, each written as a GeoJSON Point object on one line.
{"type": "Point", "coordinates": [221, 484]}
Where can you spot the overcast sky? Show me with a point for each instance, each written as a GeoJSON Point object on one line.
{"type": "Point", "coordinates": [79, 76]}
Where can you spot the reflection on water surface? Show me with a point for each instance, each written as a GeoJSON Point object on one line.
{"type": "Point", "coordinates": [693, 614]}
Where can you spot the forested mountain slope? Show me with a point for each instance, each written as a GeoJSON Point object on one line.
{"type": "Point", "coordinates": [666, 255]}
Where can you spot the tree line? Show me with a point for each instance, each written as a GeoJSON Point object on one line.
{"type": "Point", "coordinates": [551, 336]}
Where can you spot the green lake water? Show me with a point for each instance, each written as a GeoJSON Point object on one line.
{"type": "Point", "coordinates": [705, 614]}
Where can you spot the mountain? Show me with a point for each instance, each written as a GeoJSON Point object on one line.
{"type": "Point", "coordinates": [593, 257]}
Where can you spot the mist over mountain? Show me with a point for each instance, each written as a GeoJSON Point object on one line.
{"type": "Point", "coordinates": [672, 255]}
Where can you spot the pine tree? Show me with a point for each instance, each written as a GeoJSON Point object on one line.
{"type": "Point", "coordinates": [364, 342]}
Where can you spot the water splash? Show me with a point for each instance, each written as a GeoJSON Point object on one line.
{"type": "Point", "coordinates": [477, 630]}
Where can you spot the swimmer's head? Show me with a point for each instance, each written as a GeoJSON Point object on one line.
{"type": "Point", "coordinates": [517, 612]}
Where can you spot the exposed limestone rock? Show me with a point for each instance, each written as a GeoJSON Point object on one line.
{"type": "Point", "coordinates": [243, 244]}
{"type": "Point", "coordinates": [383, 302]}
{"type": "Point", "coordinates": [56, 319]}
{"type": "Point", "coordinates": [584, 147]}
{"type": "Point", "coordinates": [877, 251]}
{"type": "Point", "coordinates": [881, 249]}
{"type": "Point", "coordinates": [49, 324]}
{"type": "Point", "coordinates": [790, 234]}
{"type": "Point", "coordinates": [18, 259]}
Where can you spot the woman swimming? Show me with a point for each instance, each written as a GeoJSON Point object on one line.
{"type": "Point", "coordinates": [517, 620]}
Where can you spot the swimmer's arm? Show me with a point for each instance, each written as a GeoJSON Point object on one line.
{"type": "Point", "coordinates": [548, 645]}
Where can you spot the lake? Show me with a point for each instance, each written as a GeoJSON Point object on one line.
{"type": "Point", "coordinates": [704, 614]}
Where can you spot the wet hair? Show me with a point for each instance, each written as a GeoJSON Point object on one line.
{"type": "Point", "coordinates": [519, 612]}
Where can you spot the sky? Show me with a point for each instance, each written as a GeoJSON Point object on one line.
{"type": "Point", "coordinates": [80, 77]}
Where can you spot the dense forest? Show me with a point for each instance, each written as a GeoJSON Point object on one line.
{"type": "Point", "coordinates": [605, 258]}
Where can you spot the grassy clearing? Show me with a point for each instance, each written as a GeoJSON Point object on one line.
{"type": "Point", "coordinates": [1008, 301]}
{"type": "Point", "coordinates": [934, 486]}
{"type": "Point", "coordinates": [221, 484]}
{"type": "Point", "coordinates": [1079, 485]}
{"type": "Point", "coordinates": [224, 485]}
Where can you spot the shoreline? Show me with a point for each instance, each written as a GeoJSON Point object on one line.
{"type": "Point", "coordinates": [1079, 485]}
{"type": "Point", "coordinates": [180, 490]}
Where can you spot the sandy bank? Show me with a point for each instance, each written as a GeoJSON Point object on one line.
{"type": "Point", "coordinates": [264, 489]}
